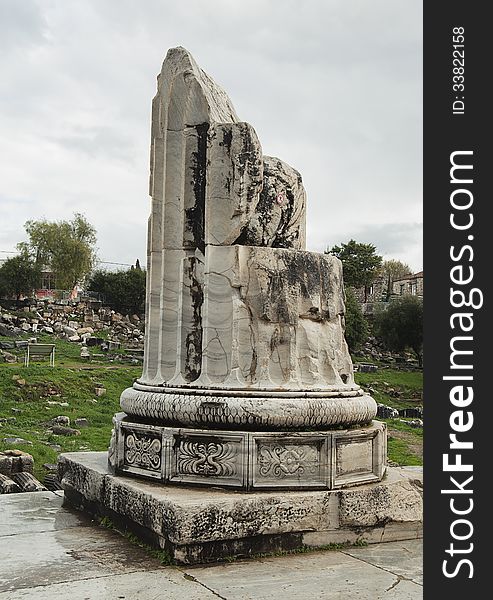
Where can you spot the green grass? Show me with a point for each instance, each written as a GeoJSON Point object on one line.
{"type": "Point", "coordinates": [66, 353]}
{"type": "Point", "coordinates": [399, 452]}
{"type": "Point", "coordinates": [37, 400]}
{"type": "Point", "coordinates": [407, 448]}
{"type": "Point", "coordinates": [400, 426]}
{"type": "Point", "coordinates": [408, 383]}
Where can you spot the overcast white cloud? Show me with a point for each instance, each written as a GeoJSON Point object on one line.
{"type": "Point", "coordinates": [332, 87]}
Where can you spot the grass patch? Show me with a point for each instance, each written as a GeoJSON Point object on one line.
{"type": "Point", "coordinates": [400, 426]}
{"type": "Point", "coordinates": [405, 443]}
{"type": "Point", "coordinates": [399, 452]}
{"type": "Point", "coordinates": [407, 384]}
{"type": "Point", "coordinates": [49, 392]}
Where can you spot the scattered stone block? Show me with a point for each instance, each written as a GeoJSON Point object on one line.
{"type": "Point", "coordinates": [8, 486]}
{"type": "Point", "coordinates": [8, 420]}
{"type": "Point", "coordinates": [51, 482]}
{"type": "Point", "coordinates": [50, 467]}
{"type": "Point", "coordinates": [84, 330]}
{"type": "Point", "coordinates": [81, 422]}
{"type": "Point", "coordinates": [100, 391]}
{"type": "Point", "coordinates": [94, 341]}
{"type": "Point", "coordinates": [59, 420]}
{"type": "Point", "coordinates": [28, 483]}
{"type": "Point", "coordinates": [61, 430]}
{"type": "Point", "coordinates": [16, 441]}
{"type": "Point", "coordinates": [15, 461]}
{"type": "Point", "coordinates": [411, 413]}
{"type": "Point", "coordinates": [387, 412]}
{"type": "Point", "coordinates": [366, 368]}
{"type": "Point", "coordinates": [6, 330]}
{"type": "Point", "coordinates": [8, 357]}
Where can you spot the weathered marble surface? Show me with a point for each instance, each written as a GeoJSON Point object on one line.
{"type": "Point", "coordinates": [200, 525]}
{"type": "Point", "coordinates": [247, 378]}
{"type": "Point", "coordinates": [279, 221]}
{"type": "Point", "coordinates": [249, 459]}
{"type": "Point", "coordinates": [235, 409]}
{"type": "Point", "coordinates": [234, 301]}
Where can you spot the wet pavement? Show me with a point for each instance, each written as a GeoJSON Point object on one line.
{"type": "Point", "coordinates": [50, 552]}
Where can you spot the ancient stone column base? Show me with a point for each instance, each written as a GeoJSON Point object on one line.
{"type": "Point", "coordinates": [249, 460]}
{"type": "Point", "coordinates": [197, 525]}
{"type": "Point", "coordinates": [250, 409]}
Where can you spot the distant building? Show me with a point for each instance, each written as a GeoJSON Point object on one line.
{"type": "Point", "coordinates": [408, 285]}
{"type": "Point", "coordinates": [376, 294]}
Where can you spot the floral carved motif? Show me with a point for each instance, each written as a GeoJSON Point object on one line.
{"type": "Point", "coordinates": [143, 451]}
{"type": "Point", "coordinates": [287, 461]}
{"type": "Point", "coordinates": [213, 459]}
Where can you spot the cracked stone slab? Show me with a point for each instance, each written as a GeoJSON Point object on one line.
{"type": "Point", "coordinates": [404, 559]}
{"type": "Point", "coordinates": [382, 503]}
{"type": "Point", "coordinates": [41, 511]}
{"type": "Point", "coordinates": [94, 563]}
{"type": "Point", "coordinates": [67, 555]}
{"type": "Point", "coordinates": [325, 575]}
{"type": "Point", "coordinates": [403, 590]}
{"type": "Point", "coordinates": [170, 584]}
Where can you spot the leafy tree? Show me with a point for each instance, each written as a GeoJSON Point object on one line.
{"type": "Point", "coordinates": [124, 291]}
{"type": "Point", "coordinates": [65, 247]}
{"type": "Point", "coordinates": [392, 270]}
{"type": "Point", "coordinates": [401, 325]}
{"type": "Point", "coordinates": [356, 324]}
{"type": "Point", "coordinates": [19, 276]}
{"type": "Point", "coordinates": [360, 263]}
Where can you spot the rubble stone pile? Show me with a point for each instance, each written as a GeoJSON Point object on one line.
{"type": "Point", "coordinates": [16, 473]}
{"type": "Point", "coordinates": [85, 322]}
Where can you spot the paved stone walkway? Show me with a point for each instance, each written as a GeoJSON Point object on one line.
{"type": "Point", "coordinates": [48, 552]}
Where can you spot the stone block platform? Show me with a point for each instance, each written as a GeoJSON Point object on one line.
{"type": "Point", "coordinates": [197, 525]}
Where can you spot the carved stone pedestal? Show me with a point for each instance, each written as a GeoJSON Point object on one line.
{"type": "Point", "coordinates": [249, 459]}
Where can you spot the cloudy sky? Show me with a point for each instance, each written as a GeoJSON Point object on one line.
{"type": "Point", "coordinates": [333, 87]}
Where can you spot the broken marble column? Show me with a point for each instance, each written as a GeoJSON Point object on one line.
{"type": "Point", "coordinates": [247, 379]}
